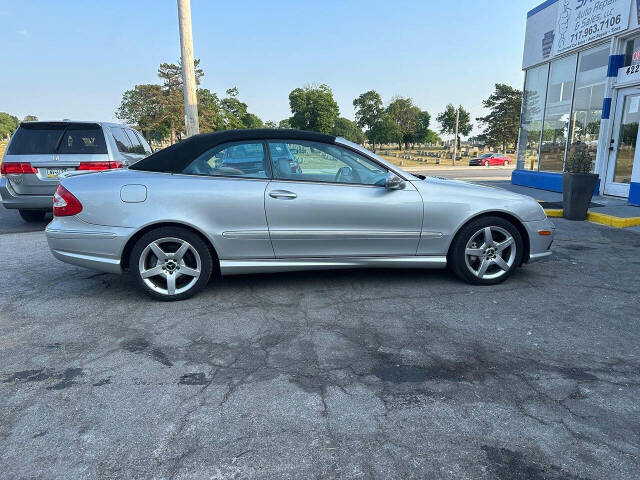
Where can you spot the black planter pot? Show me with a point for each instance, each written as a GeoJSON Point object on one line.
{"type": "Point", "coordinates": [577, 190]}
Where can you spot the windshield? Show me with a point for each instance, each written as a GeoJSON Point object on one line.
{"type": "Point", "coordinates": [486, 155]}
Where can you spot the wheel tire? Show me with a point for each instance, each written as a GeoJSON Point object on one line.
{"type": "Point", "coordinates": [166, 236]}
{"type": "Point", "coordinates": [32, 216]}
{"type": "Point", "coordinates": [506, 162]}
{"type": "Point", "coordinates": [486, 164]}
{"type": "Point", "coordinates": [457, 257]}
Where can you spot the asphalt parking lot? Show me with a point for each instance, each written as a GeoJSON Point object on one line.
{"type": "Point", "coordinates": [347, 374]}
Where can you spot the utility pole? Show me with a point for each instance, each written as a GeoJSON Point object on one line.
{"type": "Point", "coordinates": [455, 140]}
{"type": "Point", "coordinates": [188, 69]}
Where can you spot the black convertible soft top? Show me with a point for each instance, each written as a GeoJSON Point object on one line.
{"type": "Point", "coordinates": [174, 159]}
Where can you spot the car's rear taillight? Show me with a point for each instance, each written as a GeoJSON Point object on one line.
{"type": "Point", "coordinates": [64, 203]}
{"type": "Point", "coordinates": [96, 166]}
{"type": "Point", "coordinates": [16, 168]}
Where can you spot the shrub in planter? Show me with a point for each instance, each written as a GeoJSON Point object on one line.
{"type": "Point", "coordinates": [578, 183]}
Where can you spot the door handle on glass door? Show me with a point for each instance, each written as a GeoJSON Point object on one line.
{"type": "Point", "coordinates": [283, 194]}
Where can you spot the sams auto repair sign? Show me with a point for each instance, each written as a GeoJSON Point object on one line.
{"type": "Point", "coordinates": [585, 21]}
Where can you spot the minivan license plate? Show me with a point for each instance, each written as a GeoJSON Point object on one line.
{"type": "Point", "coordinates": [55, 172]}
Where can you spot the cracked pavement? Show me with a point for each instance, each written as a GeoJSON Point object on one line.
{"type": "Point", "coordinates": [345, 374]}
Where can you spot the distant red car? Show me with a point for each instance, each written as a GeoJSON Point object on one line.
{"type": "Point", "coordinates": [490, 159]}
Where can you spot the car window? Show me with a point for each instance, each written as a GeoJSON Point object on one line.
{"type": "Point", "coordinates": [323, 162]}
{"type": "Point", "coordinates": [122, 141]}
{"type": "Point", "coordinates": [32, 140]}
{"type": "Point", "coordinates": [145, 146]}
{"type": "Point", "coordinates": [136, 146]}
{"type": "Point", "coordinates": [83, 141]}
{"type": "Point", "coordinates": [238, 159]}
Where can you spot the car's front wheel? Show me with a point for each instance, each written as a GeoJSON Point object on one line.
{"type": "Point", "coordinates": [32, 215]}
{"type": "Point", "coordinates": [171, 263]}
{"type": "Point", "coordinates": [486, 251]}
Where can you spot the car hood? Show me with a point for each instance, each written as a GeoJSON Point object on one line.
{"type": "Point", "coordinates": [481, 197]}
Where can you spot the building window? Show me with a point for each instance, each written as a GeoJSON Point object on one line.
{"type": "Point", "coordinates": [588, 98]}
{"type": "Point", "coordinates": [535, 88]}
{"type": "Point", "coordinates": [632, 52]}
{"type": "Point", "coordinates": [555, 128]}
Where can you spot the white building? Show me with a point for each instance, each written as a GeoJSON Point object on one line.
{"type": "Point", "coordinates": [582, 85]}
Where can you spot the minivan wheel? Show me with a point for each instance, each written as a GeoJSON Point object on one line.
{"type": "Point", "coordinates": [32, 215]}
{"type": "Point", "coordinates": [171, 263]}
{"type": "Point", "coordinates": [486, 251]}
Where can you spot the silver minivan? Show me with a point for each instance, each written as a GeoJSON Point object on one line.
{"type": "Point", "coordinates": [39, 152]}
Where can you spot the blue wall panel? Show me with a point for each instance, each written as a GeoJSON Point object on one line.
{"type": "Point", "coordinates": [634, 193]}
{"type": "Point", "coordinates": [542, 180]}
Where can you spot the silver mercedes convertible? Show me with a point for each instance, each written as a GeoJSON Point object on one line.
{"type": "Point", "coordinates": [247, 201]}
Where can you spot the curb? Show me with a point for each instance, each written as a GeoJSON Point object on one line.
{"type": "Point", "coordinates": [601, 218]}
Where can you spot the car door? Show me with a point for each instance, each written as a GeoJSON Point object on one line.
{"type": "Point", "coordinates": [328, 201]}
{"type": "Point", "coordinates": [229, 201]}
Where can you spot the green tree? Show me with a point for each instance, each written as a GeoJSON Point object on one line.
{"type": "Point", "coordinates": [503, 121]}
{"type": "Point", "coordinates": [8, 124]}
{"type": "Point", "coordinates": [447, 121]}
{"type": "Point", "coordinates": [171, 75]}
{"type": "Point", "coordinates": [313, 108]}
{"type": "Point", "coordinates": [251, 120]}
{"type": "Point", "coordinates": [144, 106]}
{"type": "Point", "coordinates": [30, 118]}
{"type": "Point", "coordinates": [210, 116]}
{"type": "Point", "coordinates": [270, 124]}
{"type": "Point", "coordinates": [234, 110]}
{"type": "Point", "coordinates": [345, 128]}
{"type": "Point", "coordinates": [406, 116]}
{"type": "Point", "coordinates": [422, 128]}
{"type": "Point", "coordinates": [284, 123]}
{"type": "Point", "coordinates": [369, 110]}
{"type": "Point", "coordinates": [432, 137]}
{"type": "Point", "coordinates": [385, 130]}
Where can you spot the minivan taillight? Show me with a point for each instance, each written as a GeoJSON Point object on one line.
{"type": "Point", "coordinates": [11, 168]}
{"type": "Point", "coordinates": [96, 166]}
{"type": "Point", "coordinates": [64, 203]}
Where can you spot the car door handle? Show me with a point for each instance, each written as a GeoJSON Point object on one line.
{"type": "Point", "coordinates": [284, 194]}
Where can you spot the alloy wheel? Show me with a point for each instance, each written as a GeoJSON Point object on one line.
{"type": "Point", "coordinates": [490, 253]}
{"type": "Point", "coordinates": [170, 266]}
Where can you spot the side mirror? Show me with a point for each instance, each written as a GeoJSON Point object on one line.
{"type": "Point", "coordinates": [394, 182]}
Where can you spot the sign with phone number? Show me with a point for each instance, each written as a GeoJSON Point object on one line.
{"type": "Point", "coordinates": [584, 21]}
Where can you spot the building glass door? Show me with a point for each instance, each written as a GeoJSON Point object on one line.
{"type": "Point", "coordinates": [623, 153]}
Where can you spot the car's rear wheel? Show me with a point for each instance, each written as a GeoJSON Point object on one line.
{"type": "Point", "coordinates": [32, 215]}
{"type": "Point", "coordinates": [486, 251]}
{"type": "Point", "coordinates": [506, 162]}
{"type": "Point", "coordinates": [171, 263]}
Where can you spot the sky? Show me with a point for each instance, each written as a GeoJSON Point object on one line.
{"type": "Point", "coordinates": [74, 59]}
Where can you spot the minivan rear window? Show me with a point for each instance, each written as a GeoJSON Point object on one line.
{"type": "Point", "coordinates": [49, 138]}
{"type": "Point", "coordinates": [36, 139]}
